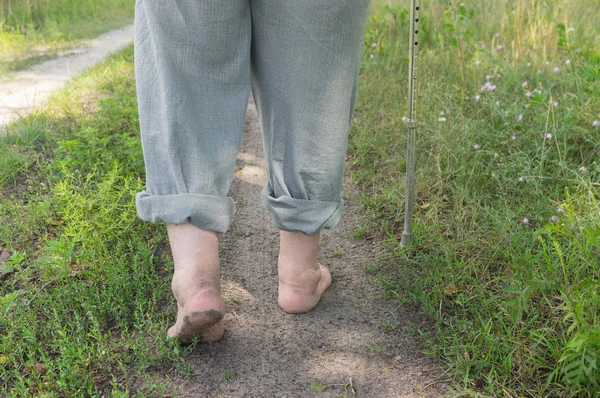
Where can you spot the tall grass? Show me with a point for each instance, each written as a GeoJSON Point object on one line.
{"type": "Point", "coordinates": [20, 16]}
{"type": "Point", "coordinates": [31, 29]}
{"type": "Point", "coordinates": [506, 258]}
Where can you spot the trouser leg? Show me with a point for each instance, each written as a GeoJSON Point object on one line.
{"type": "Point", "coordinates": [192, 62]}
{"type": "Point", "coordinates": [305, 62]}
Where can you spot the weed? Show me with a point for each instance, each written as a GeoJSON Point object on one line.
{"type": "Point", "coordinates": [339, 253]}
{"type": "Point", "coordinates": [374, 347]}
{"type": "Point", "coordinates": [389, 325]}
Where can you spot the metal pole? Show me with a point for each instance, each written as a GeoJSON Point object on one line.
{"type": "Point", "coordinates": [415, 12]}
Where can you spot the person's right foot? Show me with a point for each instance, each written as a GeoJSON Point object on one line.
{"type": "Point", "coordinates": [302, 280]}
{"type": "Point", "coordinates": [302, 294]}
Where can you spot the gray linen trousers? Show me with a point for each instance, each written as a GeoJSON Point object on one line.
{"type": "Point", "coordinates": [195, 63]}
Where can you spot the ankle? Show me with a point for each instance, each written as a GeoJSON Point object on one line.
{"type": "Point", "coordinates": [195, 284]}
{"type": "Point", "coordinates": [298, 247]}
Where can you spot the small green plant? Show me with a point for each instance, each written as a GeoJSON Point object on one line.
{"type": "Point", "coordinates": [360, 232]}
{"type": "Point", "coordinates": [184, 367]}
{"type": "Point", "coordinates": [348, 387]}
{"type": "Point", "coordinates": [388, 325]}
{"type": "Point", "coordinates": [339, 253]}
{"type": "Point", "coordinates": [316, 386]}
{"type": "Point", "coordinates": [228, 375]}
{"type": "Point", "coordinates": [374, 347]}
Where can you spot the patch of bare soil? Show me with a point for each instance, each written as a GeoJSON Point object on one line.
{"type": "Point", "coordinates": [338, 349]}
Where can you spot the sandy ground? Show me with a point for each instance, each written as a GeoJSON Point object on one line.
{"type": "Point", "coordinates": [273, 354]}
{"type": "Point", "coordinates": [28, 89]}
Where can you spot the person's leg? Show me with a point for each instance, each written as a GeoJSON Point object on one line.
{"type": "Point", "coordinates": [192, 61]}
{"type": "Point", "coordinates": [305, 63]}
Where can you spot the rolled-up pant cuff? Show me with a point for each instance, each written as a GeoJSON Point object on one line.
{"type": "Point", "coordinates": [213, 213]}
{"type": "Point", "coordinates": [301, 215]}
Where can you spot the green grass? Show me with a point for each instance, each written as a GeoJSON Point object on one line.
{"type": "Point", "coordinates": [88, 303]}
{"type": "Point", "coordinates": [34, 30]}
{"type": "Point", "coordinates": [515, 306]}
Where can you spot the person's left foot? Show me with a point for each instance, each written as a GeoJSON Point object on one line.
{"type": "Point", "coordinates": [196, 284]}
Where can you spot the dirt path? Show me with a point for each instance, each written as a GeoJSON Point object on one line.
{"type": "Point", "coordinates": [272, 354]}
{"type": "Point", "coordinates": [25, 90]}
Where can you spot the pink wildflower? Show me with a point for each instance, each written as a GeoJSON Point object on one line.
{"type": "Point", "coordinates": [488, 86]}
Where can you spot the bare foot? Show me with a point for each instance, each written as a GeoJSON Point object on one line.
{"type": "Point", "coordinates": [196, 284]}
{"type": "Point", "coordinates": [302, 280]}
